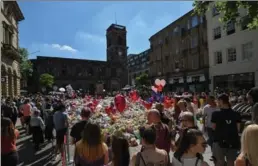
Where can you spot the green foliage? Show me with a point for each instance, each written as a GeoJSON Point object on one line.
{"type": "Point", "coordinates": [230, 11]}
{"type": "Point", "coordinates": [46, 80]}
{"type": "Point", "coordinates": [143, 85]}
{"type": "Point", "coordinates": [26, 65]}
{"type": "Point", "coordinates": [143, 79]}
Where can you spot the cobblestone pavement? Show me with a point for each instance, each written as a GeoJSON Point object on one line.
{"type": "Point", "coordinates": [45, 156]}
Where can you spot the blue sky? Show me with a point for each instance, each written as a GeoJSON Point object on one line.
{"type": "Point", "coordinates": [77, 29]}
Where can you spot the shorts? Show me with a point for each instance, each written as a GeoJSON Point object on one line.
{"type": "Point", "coordinates": [220, 153]}
{"type": "Point", "coordinates": [60, 136]}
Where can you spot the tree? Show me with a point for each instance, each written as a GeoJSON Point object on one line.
{"type": "Point", "coordinates": [143, 79]}
{"type": "Point", "coordinates": [46, 80]}
{"type": "Point", "coordinates": [143, 85]}
{"type": "Point", "coordinates": [26, 66]}
{"type": "Point", "coordinates": [230, 11]}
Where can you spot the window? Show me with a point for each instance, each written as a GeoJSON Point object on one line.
{"type": "Point", "coordinates": [194, 42]}
{"type": "Point", "coordinates": [215, 12]}
{"type": "Point", "coordinates": [244, 22]}
{"type": "Point", "coordinates": [201, 19]}
{"type": "Point", "coordinates": [90, 71]}
{"type": "Point", "coordinates": [120, 40]}
{"type": "Point", "coordinates": [195, 62]}
{"type": "Point", "coordinates": [194, 21]}
{"type": "Point", "coordinates": [166, 40]}
{"type": "Point", "coordinates": [247, 50]}
{"type": "Point", "coordinates": [218, 57]}
{"type": "Point", "coordinates": [230, 27]}
{"type": "Point", "coordinates": [216, 33]}
{"type": "Point", "coordinates": [176, 30]}
{"type": "Point", "coordinates": [188, 24]}
{"type": "Point", "coordinates": [196, 79]}
{"type": "Point", "coordinates": [8, 35]}
{"type": "Point", "coordinates": [113, 72]}
{"type": "Point", "coordinates": [231, 54]}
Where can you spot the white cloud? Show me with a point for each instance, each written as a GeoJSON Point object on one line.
{"type": "Point", "coordinates": [62, 47]}
{"type": "Point", "coordinates": [88, 37]}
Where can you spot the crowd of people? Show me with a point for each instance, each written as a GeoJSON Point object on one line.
{"type": "Point", "coordinates": [221, 115]}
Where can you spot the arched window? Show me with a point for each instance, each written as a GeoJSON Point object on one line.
{"type": "Point", "coordinates": [90, 72]}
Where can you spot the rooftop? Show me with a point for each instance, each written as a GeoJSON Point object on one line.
{"type": "Point", "coordinates": [61, 58]}
{"type": "Point", "coordinates": [116, 26]}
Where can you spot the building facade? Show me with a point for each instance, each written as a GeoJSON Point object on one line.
{"type": "Point", "coordinates": [137, 64]}
{"type": "Point", "coordinates": [232, 52]}
{"type": "Point", "coordinates": [179, 54]}
{"type": "Point", "coordinates": [10, 16]}
{"type": "Point", "coordinates": [87, 74]}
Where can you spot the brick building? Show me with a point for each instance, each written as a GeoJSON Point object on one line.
{"type": "Point", "coordinates": [179, 54]}
{"type": "Point", "coordinates": [10, 15]}
{"type": "Point", "coordinates": [137, 64]}
{"type": "Point", "coordinates": [87, 74]}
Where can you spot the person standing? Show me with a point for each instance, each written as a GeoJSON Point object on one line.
{"type": "Point", "coordinates": [249, 152]}
{"type": "Point", "coordinates": [252, 97]}
{"type": "Point", "coordinates": [163, 140]}
{"type": "Point", "coordinates": [26, 111]}
{"type": "Point", "coordinates": [61, 125]}
{"type": "Point", "coordinates": [226, 125]}
{"type": "Point", "coordinates": [76, 131]}
{"type": "Point", "coordinates": [150, 154]}
{"type": "Point", "coordinates": [9, 135]}
{"type": "Point", "coordinates": [208, 110]}
{"type": "Point", "coordinates": [37, 128]}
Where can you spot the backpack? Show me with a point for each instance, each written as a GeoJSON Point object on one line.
{"type": "Point", "coordinates": [228, 134]}
{"type": "Point", "coordinates": [139, 158]}
{"type": "Point", "coordinates": [163, 137]}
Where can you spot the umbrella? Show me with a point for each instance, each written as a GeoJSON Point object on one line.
{"type": "Point", "coordinates": [62, 89]}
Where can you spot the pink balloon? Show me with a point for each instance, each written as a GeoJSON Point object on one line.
{"type": "Point", "coordinates": [157, 81]}
{"type": "Point", "coordinates": [154, 89]}
{"type": "Point", "coordinates": [162, 82]}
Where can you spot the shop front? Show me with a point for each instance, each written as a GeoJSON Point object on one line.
{"type": "Point", "coordinates": [176, 84]}
{"type": "Point", "coordinates": [197, 83]}
{"type": "Point", "coordinates": [234, 82]}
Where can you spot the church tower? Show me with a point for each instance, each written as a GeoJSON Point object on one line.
{"type": "Point", "coordinates": [116, 44]}
{"type": "Point", "coordinates": [117, 54]}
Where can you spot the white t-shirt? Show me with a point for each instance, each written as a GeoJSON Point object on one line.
{"type": "Point", "coordinates": [207, 112]}
{"type": "Point", "coordinates": [186, 162]}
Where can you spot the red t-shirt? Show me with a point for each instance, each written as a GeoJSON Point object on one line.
{"type": "Point", "coordinates": [8, 145]}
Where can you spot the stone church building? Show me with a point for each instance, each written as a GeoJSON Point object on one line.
{"type": "Point", "coordinates": [10, 15]}
{"type": "Point", "coordinates": [88, 74]}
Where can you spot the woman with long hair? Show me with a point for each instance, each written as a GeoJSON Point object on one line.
{"type": "Point", "coordinates": [249, 150]}
{"type": "Point", "coordinates": [191, 147]}
{"type": "Point", "coordinates": [91, 150]}
{"type": "Point", "coordinates": [149, 154]}
{"type": "Point", "coordinates": [120, 151]}
{"type": "Point", "coordinates": [9, 155]}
